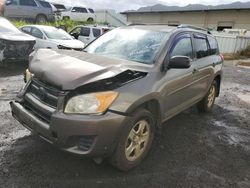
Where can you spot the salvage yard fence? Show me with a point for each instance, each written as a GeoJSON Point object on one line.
{"type": "Point", "coordinates": [231, 44]}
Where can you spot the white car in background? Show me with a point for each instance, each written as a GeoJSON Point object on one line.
{"type": "Point", "coordinates": [88, 33]}
{"type": "Point", "coordinates": [79, 14]}
{"type": "Point", "coordinates": [52, 38]}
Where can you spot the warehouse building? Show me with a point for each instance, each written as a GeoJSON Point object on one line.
{"type": "Point", "coordinates": [231, 16]}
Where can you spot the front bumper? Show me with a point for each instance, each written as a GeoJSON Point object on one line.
{"type": "Point", "coordinates": [94, 136]}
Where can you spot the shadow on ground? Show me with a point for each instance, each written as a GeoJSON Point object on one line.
{"type": "Point", "coordinates": [192, 150]}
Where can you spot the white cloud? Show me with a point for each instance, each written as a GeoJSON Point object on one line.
{"type": "Point", "coordinates": [121, 5]}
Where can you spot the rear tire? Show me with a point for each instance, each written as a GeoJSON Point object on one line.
{"type": "Point", "coordinates": [135, 141]}
{"type": "Point", "coordinates": [41, 18]}
{"type": "Point", "coordinates": [207, 103]}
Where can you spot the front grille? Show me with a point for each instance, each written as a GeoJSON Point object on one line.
{"type": "Point", "coordinates": [36, 112]}
{"type": "Point", "coordinates": [44, 93]}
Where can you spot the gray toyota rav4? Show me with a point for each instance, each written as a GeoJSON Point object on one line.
{"type": "Point", "coordinates": [108, 101]}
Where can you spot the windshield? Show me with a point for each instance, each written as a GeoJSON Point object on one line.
{"type": "Point", "coordinates": [6, 26]}
{"type": "Point", "coordinates": [54, 33]}
{"type": "Point", "coordinates": [129, 44]}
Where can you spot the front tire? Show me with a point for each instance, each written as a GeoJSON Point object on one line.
{"type": "Point", "coordinates": [41, 19]}
{"type": "Point", "coordinates": [135, 141]}
{"type": "Point", "coordinates": [207, 103]}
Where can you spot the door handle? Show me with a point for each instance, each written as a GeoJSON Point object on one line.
{"type": "Point", "coordinates": [195, 71]}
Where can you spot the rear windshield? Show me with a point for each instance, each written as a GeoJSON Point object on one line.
{"type": "Point", "coordinates": [129, 44]}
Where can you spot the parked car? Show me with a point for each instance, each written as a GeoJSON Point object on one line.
{"type": "Point", "coordinates": [35, 10]}
{"type": "Point", "coordinates": [14, 45]}
{"type": "Point", "coordinates": [108, 101]}
{"type": "Point", "coordinates": [88, 33]}
{"type": "Point", "coordinates": [52, 37]}
{"type": "Point", "coordinates": [79, 14]}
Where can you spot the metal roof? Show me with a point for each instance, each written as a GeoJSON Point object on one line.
{"type": "Point", "coordinates": [191, 8]}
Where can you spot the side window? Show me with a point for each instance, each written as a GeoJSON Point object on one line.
{"type": "Point", "coordinates": [214, 49]}
{"type": "Point", "coordinates": [31, 3]}
{"type": "Point", "coordinates": [85, 32]}
{"type": "Point", "coordinates": [201, 46]}
{"type": "Point", "coordinates": [84, 10]}
{"type": "Point", "coordinates": [91, 10]}
{"type": "Point", "coordinates": [96, 32]}
{"type": "Point", "coordinates": [26, 30]}
{"type": "Point", "coordinates": [36, 33]}
{"type": "Point", "coordinates": [183, 48]}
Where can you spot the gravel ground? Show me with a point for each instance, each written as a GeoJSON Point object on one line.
{"type": "Point", "coordinates": [193, 149]}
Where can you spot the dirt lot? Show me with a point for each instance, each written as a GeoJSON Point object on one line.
{"type": "Point", "coordinates": [193, 150]}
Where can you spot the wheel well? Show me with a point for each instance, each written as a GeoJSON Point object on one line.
{"type": "Point", "coordinates": [41, 15]}
{"type": "Point", "coordinates": [218, 82]}
{"type": "Point", "coordinates": [90, 19]}
{"type": "Point", "coordinates": [154, 107]}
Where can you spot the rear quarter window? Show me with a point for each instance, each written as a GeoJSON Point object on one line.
{"type": "Point", "coordinates": [214, 49]}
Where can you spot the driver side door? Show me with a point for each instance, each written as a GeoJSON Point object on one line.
{"type": "Point", "coordinates": [179, 91]}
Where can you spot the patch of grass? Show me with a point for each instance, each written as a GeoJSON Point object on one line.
{"type": "Point", "coordinates": [68, 24]}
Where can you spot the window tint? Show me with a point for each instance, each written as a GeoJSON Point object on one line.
{"type": "Point", "coordinates": [28, 3]}
{"type": "Point", "coordinates": [26, 30]}
{"type": "Point", "coordinates": [45, 4]}
{"type": "Point", "coordinates": [91, 10]}
{"type": "Point", "coordinates": [85, 32]}
{"type": "Point", "coordinates": [36, 33]}
{"type": "Point", "coordinates": [201, 46]}
{"type": "Point", "coordinates": [214, 49]}
{"type": "Point", "coordinates": [183, 48]}
{"type": "Point", "coordinates": [83, 10]}
{"type": "Point", "coordinates": [96, 32]}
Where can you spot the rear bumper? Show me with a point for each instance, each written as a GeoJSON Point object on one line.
{"type": "Point", "coordinates": [94, 136]}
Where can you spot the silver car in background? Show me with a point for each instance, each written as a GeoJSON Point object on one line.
{"type": "Point", "coordinates": [35, 10]}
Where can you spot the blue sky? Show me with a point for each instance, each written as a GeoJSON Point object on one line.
{"type": "Point", "coordinates": [121, 5]}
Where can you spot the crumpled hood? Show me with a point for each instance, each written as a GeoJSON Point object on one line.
{"type": "Point", "coordinates": [70, 43]}
{"type": "Point", "coordinates": [69, 69]}
{"type": "Point", "coordinates": [16, 36]}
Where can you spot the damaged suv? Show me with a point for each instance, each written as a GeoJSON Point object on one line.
{"type": "Point", "coordinates": [108, 101]}
{"type": "Point", "coordinates": [14, 45]}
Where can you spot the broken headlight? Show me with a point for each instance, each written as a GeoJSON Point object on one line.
{"type": "Point", "coordinates": [93, 103]}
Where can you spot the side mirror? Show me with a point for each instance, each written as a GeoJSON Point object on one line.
{"type": "Point", "coordinates": [179, 62]}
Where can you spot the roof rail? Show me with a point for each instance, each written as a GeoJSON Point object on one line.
{"type": "Point", "coordinates": [193, 27]}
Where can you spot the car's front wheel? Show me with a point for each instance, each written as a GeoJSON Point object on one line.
{"type": "Point", "coordinates": [41, 18]}
{"type": "Point", "coordinates": [207, 103]}
{"type": "Point", "coordinates": [135, 141]}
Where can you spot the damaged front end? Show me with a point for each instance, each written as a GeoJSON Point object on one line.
{"type": "Point", "coordinates": [15, 50]}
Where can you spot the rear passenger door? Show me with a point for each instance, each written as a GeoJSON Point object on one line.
{"type": "Point", "coordinates": [203, 65]}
